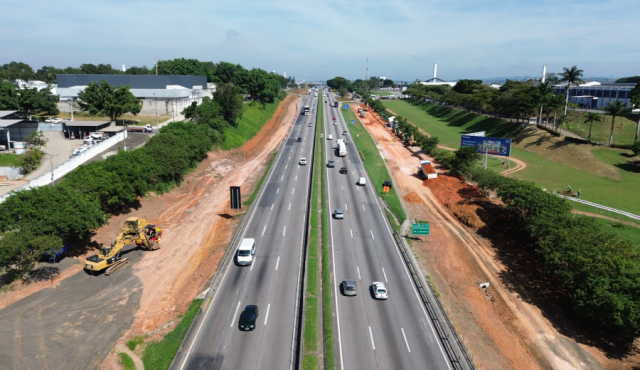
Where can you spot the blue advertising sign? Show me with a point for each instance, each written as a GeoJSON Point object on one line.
{"type": "Point", "coordinates": [346, 106]}
{"type": "Point", "coordinates": [489, 145]}
{"type": "Point", "coordinates": [352, 122]}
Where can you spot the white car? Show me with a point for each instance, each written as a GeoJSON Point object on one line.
{"type": "Point", "coordinates": [379, 290]}
{"type": "Point", "coordinates": [57, 120]}
{"type": "Point", "coordinates": [362, 181]}
{"type": "Point", "coordinates": [48, 120]}
{"type": "Point", "coordinates": [303, 161]}
{"type": "Point", "coordinates": [335, 122]}
{"type": "Point", "coordinates": [329, 137]}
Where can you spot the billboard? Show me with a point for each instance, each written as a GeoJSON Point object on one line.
{"type": "Point", "coordinates": [489, 145]}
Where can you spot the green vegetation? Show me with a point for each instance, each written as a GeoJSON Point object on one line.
{"type": "Point", "coordinates": [9, 160]}
{"type": "Point", "coordinates": [134, 342]}
{"type": "Point", "coordinates": [599, 269]}
{"type": "Point", "coordinates": [309, 362]}
{"type": "Point", "coordinates": [100, 98]}
{"type": "Point", "coordinates": [373, 162]}
{"type": "Point", "coordinates": [600, 130]}
{"type": "Point", "coordinates": [392, 220]}
{"type": "Point", "coordinates": [448, 124]}
{"type": "Point", "coordinates": [30, 161]}
{"type": "Point", "coordinates": [26, 100]}
{"type": "Point", "coordinates": [128, 119]}
{"type": "Point", "coordinates": [311, 324]}
{"type": "Point", "coordinates": [158, 355]}
{"type": "Point", "coordinates": [126, 361]}
{"type": "Point", "coordinates": [249, 201]}
{"type": "Point", "coordinates": [327, 311]}
{"type": "Point", "coordinates": [254, 117]}
{"type": "Point", "coordinates": [631, 233]}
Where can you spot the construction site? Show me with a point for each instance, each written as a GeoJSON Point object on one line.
{"type": "Point", "coordinates": [508, 324]}
{"type": "Point", "coordinates": [171, 253]}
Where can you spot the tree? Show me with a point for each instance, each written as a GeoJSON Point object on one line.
{"type": "Point", "coordinates": [373, 83]}
{"type": "Point", "coordinates": [464, 160]}
{"type": "Point", "coordinates": [47, 74]}
{"type": "Point", "coordinates": [572, 76]}
{"type": "Point", "coordinates": [636, 148]}
{"type": "Point", "coordinates": [545, 89]}
{"type": "Point", "coordinates": [342, 91]}
{"type": "Point", "coordinates": [111, 101]}
{"type": "Point", "coordinates": [635, 100]}
{"type": "Point", "coordinates": [19, 250]}
{"type": "Point", "coordinates": [466, 86]}
{"type": "Point", "coordinates": [262, 86]}
{"type": "Point", "coordinates": [337, 82]}
{"type": "Point", "coordinates": [9, 99]}
{"type": "Point", "coordinates": [36, 139]}
{"type": "Point", "coordinates": [388, 83]}
{"type": "Point", "coordinates": [614, 110]}
{"type": "Point", "coordinates": [562, 119]}
{"type": "Point", "coordinates": [230, 101]}
{"type": "Point", "coordinates": [32, 101]}
{"type": "Point", "coordinates": [590, 118]}
{"type": "Point", "coordinates": [16, 71]}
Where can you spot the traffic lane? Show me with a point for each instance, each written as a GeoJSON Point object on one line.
{"type": "Point", "coordinates": [237, 281]}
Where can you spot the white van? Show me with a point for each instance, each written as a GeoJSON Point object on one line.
{"type": "Point", "coordinates": [246, 251]}
{"type": "Point", "coordinates": [362, 181]}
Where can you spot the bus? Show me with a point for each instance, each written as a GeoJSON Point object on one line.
{"type": "Point", "coordinates": [305, 110]}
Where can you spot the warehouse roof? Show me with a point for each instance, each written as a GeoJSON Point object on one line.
{"type": "Point", "coordinates": [86, 123]}
{"type": "Point", "coordinates": [134, 81]}
{"type": "Point", "coordinates": [112, 129]}
{"type": "Point", "coordinates": [5, 113]}
{"type": "Point", "coordinates": [9, 122]}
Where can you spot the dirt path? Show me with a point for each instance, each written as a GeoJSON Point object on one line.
{"type": "Point", "coordinates": [75, 321]}
{"type": "Point", "coordinates": [503, 331]}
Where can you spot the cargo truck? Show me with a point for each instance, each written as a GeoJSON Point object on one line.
{"type": "Point", "coordinates": [342, 149]}
{"type": "Point", "coordinates": [427, 171]}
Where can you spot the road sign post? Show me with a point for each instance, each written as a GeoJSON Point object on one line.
{"type": "Point", "coordinates": [236, 200]}
{"type": "Point", "coordinates": [420, 229]}
{"type": "Point", "coordinates": [352, 122]}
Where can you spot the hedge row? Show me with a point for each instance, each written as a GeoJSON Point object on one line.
{"type": "Point", "coordinates": [600, 270]}
{"type": "Point", "coordinates": [35, 221]}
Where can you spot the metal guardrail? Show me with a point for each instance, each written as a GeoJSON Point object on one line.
{"type": "Point", "coordinates": [628, 214]}
{"type": "Point", "coordinates": [442, 335]}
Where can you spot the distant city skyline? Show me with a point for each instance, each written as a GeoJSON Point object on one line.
{"type": "Point", "coordinates": [403, 39]}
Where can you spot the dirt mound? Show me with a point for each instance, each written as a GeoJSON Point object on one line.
{"type": "Point", "coordinates": [413, 198]}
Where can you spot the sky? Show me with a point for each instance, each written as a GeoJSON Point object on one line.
{"type": "Point", "coordinates": [320, 40]}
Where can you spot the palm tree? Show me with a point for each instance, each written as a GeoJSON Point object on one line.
{"type": "Point", "coordinates": [572, 76]}
{"type": "Point", "coordinates": [636, 103]}
{"type": "Point", "coordinates": [590, 118]}
{"type": "Point", "coordinates": [562, 119]}
{"type": "Point", "coordinates": [544, 88]}
{"type": "Point", "coordinates": [614, 110]}
{"type": "Point", "coordinates": [554, 103]}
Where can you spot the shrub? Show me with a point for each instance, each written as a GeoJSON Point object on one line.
{"type": "Point", "coordinates": [636, 147]}
{"type": "Point", "coordinates": [30, 161]}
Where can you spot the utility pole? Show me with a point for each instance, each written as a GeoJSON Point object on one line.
{"type": "Point", "coordinates": [51, 162]}
{"type": "Point", "coordinates": [156, 66]}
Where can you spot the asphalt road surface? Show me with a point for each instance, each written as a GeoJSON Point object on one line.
{"type": "Point", "coordinates": [272, 282]}
{"type": "Point", "coordinates": [371, 334]}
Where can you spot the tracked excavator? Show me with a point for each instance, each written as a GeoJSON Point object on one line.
{"type": "Point", "coordinates": [135, 232]}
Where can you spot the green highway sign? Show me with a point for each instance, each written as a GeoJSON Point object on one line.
{"type": "Point", "coordinates": [420, 229]}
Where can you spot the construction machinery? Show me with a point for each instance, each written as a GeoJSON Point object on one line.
{"type": "Point", "coordinates": [135, 232]}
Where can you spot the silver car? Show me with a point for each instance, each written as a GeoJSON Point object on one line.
{"type": "Point", "coordinates": [349, 287]}
{"type": "Point", "coordinates": [338, 214]}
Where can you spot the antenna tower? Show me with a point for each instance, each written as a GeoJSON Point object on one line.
{"type": "Point", "coordinates": [366, 77]}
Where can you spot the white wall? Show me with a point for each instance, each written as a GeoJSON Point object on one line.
{"type": "Point", "coordinates": [68, 166]}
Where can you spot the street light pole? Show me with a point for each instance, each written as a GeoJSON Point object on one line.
{"type": "Point", "coordinates": [51, 162]}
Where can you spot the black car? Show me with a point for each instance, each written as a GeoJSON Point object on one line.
{"type": "Point", "coordinates": [387, 183]}
{"type": "Point", "coordinates": [331, 163]}
{"type": "Point", "coordinates": [248, 317]}
{"type": "Point", "coordinates": [343, 169]}
{"type": "Point", "coordinates": [299, 139]}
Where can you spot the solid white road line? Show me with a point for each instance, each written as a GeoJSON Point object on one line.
{"type": "Point", "coordinates": [263, 230]}
{"type": "Point", "coordinates": [359, 278]}
{"type": "Point", "coordinates": [363, 208]}
{"type": "Point", "coordinates": [234, 314]}
{"type": "Point", "coordinates": [283, 231]}
{"type": "Point", "coordinates": [372, 235]}
{"type": "Point", "coordinates": [351, 231]}
{"type": "Point", "coordinates": [405, 340]}
{"type": "Point", "coordinates": [371, 335]}
{"type": "Point", "coordinates": [385, 275]}
{"type": "Point", "coordinates": [267, 317]}
{"type": "Point", "coordinates": [277, 263]}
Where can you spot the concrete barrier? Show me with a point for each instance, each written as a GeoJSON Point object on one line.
{"type": "Point", "coordinates": [68, 166]}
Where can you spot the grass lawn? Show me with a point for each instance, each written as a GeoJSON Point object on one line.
{"type": "Point", "coordinates": [126, 361]}
{"type": "Point", "coordinates": [373, 162]}
{"type": "Point", "coordinates": [448, 124]}
{"type": "Point", "coordinates": [9, 160]}
{"type": "Point", "coordinates": [549, 174]}
{"type": "Point", "coordinates": [379, 92]}
{"type": "Point", "coordinates": [158, 355]}
{"type": "Point", "coordinates": [600, 131]}
{"type": "Point", "coordinates": [327, 310]}
{"type": "Point", "coordinates": [257, 189]}
{"type": "Point", "coordinates": [625, 231]}
{"type": "Point", "coordinates": [254, 116]}
{"type": "Point", "coordinates": [311, 325]}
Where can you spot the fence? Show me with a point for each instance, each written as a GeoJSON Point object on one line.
{"type": "Point", "coordinates": [68, 166]}
{"type": "Point", "coordinates": [624, 213]}
{"type": "Point", "coordinates": [50, 127]}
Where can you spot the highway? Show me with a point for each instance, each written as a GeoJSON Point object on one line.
{"type": "Point", "coordinates": [272, 282]}
{"type": "Point", "coordinates": [371, 334]}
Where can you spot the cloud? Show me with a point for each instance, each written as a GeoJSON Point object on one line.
{"type": "Point", "coordinates": [232, 33]}
{"type": "Point", "coordinates": [467, 38]}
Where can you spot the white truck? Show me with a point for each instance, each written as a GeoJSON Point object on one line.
{"type": "Point", "coordinates": [342, 149]}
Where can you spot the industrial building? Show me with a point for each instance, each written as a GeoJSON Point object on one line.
{"type": "Point", "coordinates": [595, 95]}
{"type": "Point", "coordinates": [161, 95]}
{"type": "Point", "coordinates": [14, 128]}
